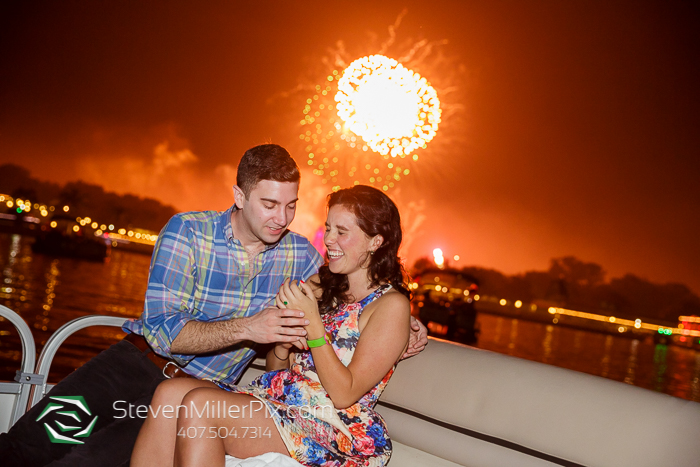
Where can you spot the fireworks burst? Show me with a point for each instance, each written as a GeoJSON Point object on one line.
{"type": "Point", "coordinates": [391, 108]}
{"type": "Point", "coordinates": [381, 113]}
{"type": "Point", "coordinates": [372, 119]}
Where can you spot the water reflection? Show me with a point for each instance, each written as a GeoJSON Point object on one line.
{"type": "Point", "coordinates": [695, 384]}
{"type": "Point", "coordinates": [659, 366]}
{"type": "Point", "coordinates": [513, 336]}
{"type": "Point", "coordinates": [632, 362]}
{"type": "Point", "coordinates": [605, 363]}
{"type": "Point", "coordinates": [672, 370]}
{"type": "Point", "coordinates": [578, 337]}
{"type": "Point", "coordinates": [547, 344]}
{"type": "Point", "coordinates": [499, 329]}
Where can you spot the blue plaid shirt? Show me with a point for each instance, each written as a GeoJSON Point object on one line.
{"type": "Point", "coordinates": [199, 271]}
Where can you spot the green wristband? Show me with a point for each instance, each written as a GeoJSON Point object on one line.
{"type": "Point", "coordinates": [318, 342]}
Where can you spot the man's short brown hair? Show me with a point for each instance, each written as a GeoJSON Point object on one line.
{"type": "Point", "coordinates": [265, 162]}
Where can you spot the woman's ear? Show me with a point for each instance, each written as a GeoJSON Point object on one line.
{"type": "Point", "coordinates": [238, 196]}
{"type": "Point", "coordinates": [376, 242]}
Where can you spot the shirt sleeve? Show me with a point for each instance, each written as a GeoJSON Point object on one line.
{"type": "Point", "coordinates": [169, 301]}
{"type": "Point", "coordinates": [314, 260]}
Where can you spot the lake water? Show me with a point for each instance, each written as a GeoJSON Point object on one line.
{"type": "Point", "coordinates": [48, 292]}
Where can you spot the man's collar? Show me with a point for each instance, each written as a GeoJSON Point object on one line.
{"type": "Point", "coordinates": [225, 220]}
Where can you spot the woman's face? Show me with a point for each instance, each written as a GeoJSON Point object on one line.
{"type": "Point", "coordinates": [348, 246]}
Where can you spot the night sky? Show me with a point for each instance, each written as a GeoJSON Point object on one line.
{"type": "Point", "coordinates": [572, 129]}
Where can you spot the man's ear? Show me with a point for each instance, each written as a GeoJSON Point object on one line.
{"type": "Point", "coordinates": [239, 196]}
{"type": "Point", "coordinates": [376, 242]}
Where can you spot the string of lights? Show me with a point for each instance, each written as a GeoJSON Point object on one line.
{"type": "Point", "coordinates": [107, 231]}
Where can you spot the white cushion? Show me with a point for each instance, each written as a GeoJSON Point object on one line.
{"type": "Point", "coordinates": [517, 412]}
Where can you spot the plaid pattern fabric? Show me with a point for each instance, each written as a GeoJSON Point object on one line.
{"type": "Point", "coordinates": [199, 271]}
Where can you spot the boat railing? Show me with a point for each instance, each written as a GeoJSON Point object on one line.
{"type": "Point", "coordinates": [31, 382]}
{"type": "Point", "coordinates": [49, 351]}
{"type": "Point", "coordinates": [15, 395]}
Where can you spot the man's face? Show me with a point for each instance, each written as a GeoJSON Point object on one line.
{"type": "Point", "coordinates": [269, 209]}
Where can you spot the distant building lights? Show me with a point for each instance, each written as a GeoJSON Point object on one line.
{"type": "Point", "coordinates": [75, 228]}
{"type": "Point", "coordinates": [53, 224]}
{"type": "Point", "coordinates": [438, 258]}
{"type": "Point", "coordinates": [518, 304]}
{"type": "Point", "coordinates": [66, 209]}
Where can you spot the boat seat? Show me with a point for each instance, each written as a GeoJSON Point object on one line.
{"type": "Point", "coordinates": [479, 408]}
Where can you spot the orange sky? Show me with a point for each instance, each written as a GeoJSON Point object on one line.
{"type": "Point", "coordinates": [572, 129]}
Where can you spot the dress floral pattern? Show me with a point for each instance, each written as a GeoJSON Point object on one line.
{"type": "Point", "coordinates": [316, 433]}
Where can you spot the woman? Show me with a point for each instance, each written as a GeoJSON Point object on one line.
{"type": "Point", "coordinates": [314, 405]}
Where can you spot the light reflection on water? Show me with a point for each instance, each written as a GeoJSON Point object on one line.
{"type": "Point", "coordinates": [669, 369]}
{"type": "Point", "coordinates": [48, 292]}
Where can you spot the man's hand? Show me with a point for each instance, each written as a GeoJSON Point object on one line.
{"type": "Point", "coordinates": [274, 325]}
{"type": "Point", "coordinates": [268, 326]}
{"type": "Point", "coordinates": [417, 340]}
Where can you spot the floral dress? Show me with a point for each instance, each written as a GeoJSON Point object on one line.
{"type": "Point", "coordinates": [316, 433]}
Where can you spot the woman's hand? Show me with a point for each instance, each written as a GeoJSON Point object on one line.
{"type": "Point", "coordinates": [299, 296]}
{"type": "Point", "coordinates": [278, 356]}
{"type": "Point", "coordinates": [281, 302]}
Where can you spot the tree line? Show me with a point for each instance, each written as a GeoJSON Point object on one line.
{"type": "Point", "coordinates": [85, 200]}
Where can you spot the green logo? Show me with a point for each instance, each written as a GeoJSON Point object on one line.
{"type": "Point", "coordinates": [70, 416]}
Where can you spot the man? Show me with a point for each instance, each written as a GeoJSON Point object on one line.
{"type": "Point", "coordinates": [212, 280]}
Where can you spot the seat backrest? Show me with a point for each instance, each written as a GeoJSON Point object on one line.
{"type": "Point", "coordinates": [476, 407]}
